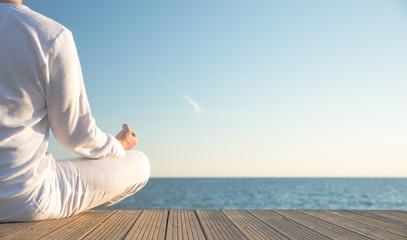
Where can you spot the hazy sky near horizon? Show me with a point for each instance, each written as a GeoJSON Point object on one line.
{"type": "Point", "coordinates": [248, 88]}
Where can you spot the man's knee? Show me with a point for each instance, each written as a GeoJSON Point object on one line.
{"type": "Point", "coordinates": [141, 163]}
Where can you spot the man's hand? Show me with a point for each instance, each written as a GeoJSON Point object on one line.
{"type": "Point", "coordinates": [127, 138]}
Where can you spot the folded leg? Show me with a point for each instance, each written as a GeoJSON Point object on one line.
{"type": "Point", "coordinates": [80, 184]}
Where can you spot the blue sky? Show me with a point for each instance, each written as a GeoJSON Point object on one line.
{"type": "Point", "coordinates": [248, 88]}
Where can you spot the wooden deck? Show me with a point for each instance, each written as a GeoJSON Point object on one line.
{"type": "Point", "coordinates": [216, 224]}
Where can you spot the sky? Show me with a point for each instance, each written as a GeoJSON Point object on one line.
{"type": "Point", "coordinates": [256, 88]}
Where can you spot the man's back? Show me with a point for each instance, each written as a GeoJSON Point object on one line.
{"type": "Point", "coordinates": [25, 40]}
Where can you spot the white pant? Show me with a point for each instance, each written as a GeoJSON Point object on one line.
{"type": "Point", "coordinates": [78, 184]}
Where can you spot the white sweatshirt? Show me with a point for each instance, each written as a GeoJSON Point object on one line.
{"type": "Point", "coordinates": [41, 87]}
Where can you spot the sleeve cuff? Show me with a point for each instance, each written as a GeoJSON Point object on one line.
{"type": "Point", "coordinates": [120, 152]}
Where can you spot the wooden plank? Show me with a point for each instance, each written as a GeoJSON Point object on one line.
{"type": "Point", "coordinates": [80, 227]}
{"type": "Point", "coordinates": [286, 226]}
{"type": "Point", "coordinates": [251, 226]}
{"type": "Point", "coordinates": [151, 224]}
{"type": "Point", "coordinates": [217, 226]}
{"type": "Point", "coordinates": [116, 226]}
{"type": "Point", "coordinates": [37, 229]}
{"type": "Point", "coordinates": [387, 224]}
{"type": "Point", "coordinates": [174, 226]}
{"type": "Point", "coordinates": [355, 226]}
{"type": "Point", "coordinates": [183, 224]}
{"type": "Point", "coordinates": [10, 228]}
{"type": "Point", "coordinates": [383, 217]}
{"type": "Point", "coordinates": [398, 216]}
{"type": "Point", "coordinates": [323, 227]}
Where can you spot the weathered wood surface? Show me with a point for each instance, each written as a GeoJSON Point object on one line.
{"type": "Point", "coordinates": [216, 224]}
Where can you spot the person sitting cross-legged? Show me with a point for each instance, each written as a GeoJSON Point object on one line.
{"type": "Point", "coordinates": [41, 89]}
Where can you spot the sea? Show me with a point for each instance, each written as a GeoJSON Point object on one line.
{"type": "Point", "coordinates": [270, 193]}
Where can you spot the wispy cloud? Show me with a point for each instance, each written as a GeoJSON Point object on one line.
{"type": "Point", "coordinates": [197, 109]}
{"type": "Point", "coordinates": [195, 106]}
{"type": "Point", "coordinates": [169, 85]}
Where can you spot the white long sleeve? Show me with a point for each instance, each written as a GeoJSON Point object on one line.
{"type": "Point", "coordinates": [69, 114]}
{"type": "Point", "coordinates": [41, 87]}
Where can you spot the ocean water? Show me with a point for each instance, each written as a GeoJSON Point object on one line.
{"type": "Point", "coordinates": [270, 193]}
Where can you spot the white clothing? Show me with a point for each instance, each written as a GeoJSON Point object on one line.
{"type": "Point", "coordinates": [41, 87]}
{"type": "Point", "coordinates": [77, 184]}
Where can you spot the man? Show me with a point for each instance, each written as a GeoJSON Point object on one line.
{"type": "Point", "coordinates": [41, 88]}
